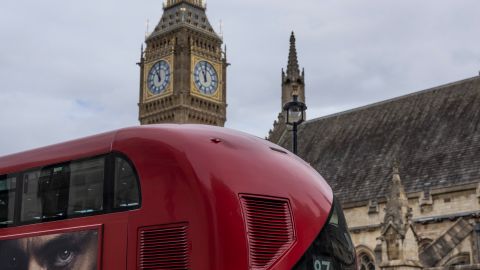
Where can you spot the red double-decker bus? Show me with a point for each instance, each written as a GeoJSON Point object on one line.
{"type": "Point", "coordinates": [168, 197]}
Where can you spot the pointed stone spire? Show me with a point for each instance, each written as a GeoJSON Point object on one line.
{"type": "Point", "coordinates": [293, 82]}
{"type": "Point", "coordinates": [293, 70]}
{"type": "Point", "coordinates": [397, 209]}
{"type": "Point", "coordinates": [398, 237]}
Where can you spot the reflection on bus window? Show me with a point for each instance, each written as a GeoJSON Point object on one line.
{"type": "Point", "coordinates": [7, 200]}
{"type": "Point", "coordinates": [86, 186]}
{"type": "Point", "coordinates": [126, 186]}
{"type": "Point", "coordinates": [44, 194]}
{"type": "Point", "coordinates": [55, 192]}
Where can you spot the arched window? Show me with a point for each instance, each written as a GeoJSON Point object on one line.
{"type": "Point", "coordinates": [126, 190]}
{"type": "Point", "coordinates": [365, 262]}
{"type": "Point", "coordinates": [459, 259]}
{"type": "Point", "coordinates": [423, 244]}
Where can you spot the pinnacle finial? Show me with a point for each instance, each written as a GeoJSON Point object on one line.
{"type": "Point", "coordinates": [395, 166]}
{"type": "Point", "coordinates": [293, 70]}
{"type": "Point", "coordinates": [396, 173]}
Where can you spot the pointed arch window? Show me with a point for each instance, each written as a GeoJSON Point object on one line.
{"type": "Point", "coordinates": [365, 262]}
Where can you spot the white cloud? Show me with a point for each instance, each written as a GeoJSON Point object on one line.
{"type": "Point", "coordinates": [67, 69]}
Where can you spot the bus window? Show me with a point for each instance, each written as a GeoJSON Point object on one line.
{"type": "Point", "coordinates": [86, 186]}
{"type": "Point", "coordinates": [7, 200]}
{"type": "Point", "coordinates": [125, 186]}
{"type": "Point", "coordinates": [63, 190]}
{"type": "Point", "coordinates": [45, 193]}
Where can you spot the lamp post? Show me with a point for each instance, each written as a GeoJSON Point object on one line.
{"type": "Point", "coordinates": [295, 111]}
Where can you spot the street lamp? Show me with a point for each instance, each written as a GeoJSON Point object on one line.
{"type": "Point", "coordinates": [295, 111]}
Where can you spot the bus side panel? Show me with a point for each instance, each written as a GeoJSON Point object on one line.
{"type": "Point", "coordinates": [115, 242]}
{"type": "Point", "coordinates": [170, 198]}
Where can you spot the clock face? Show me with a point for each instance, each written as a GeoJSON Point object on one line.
{"type": "Point", "coordinates": [205, 78]}
{"type": "Point", "coordinates": [158, 77]}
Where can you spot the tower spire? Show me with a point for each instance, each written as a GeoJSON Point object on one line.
{"type": "Point", "coordinates": [293, 83]}
{"type": "Point", "coordinates": [293, 71]}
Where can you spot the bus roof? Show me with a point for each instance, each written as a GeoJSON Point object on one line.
{"type": "Point", "coordinates": [103, 143]}
{"type": "Point", "coordinates": [75, 149]}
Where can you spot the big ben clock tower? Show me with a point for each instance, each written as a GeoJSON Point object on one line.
{"type": "Point", "coordinates": [183, 69]}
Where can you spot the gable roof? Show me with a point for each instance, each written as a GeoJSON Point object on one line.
{"type": "Point", "coordinates": [434, 134]}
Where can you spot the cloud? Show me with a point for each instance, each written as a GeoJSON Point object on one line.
{"type": "Point", "coordinates": [67, 69]}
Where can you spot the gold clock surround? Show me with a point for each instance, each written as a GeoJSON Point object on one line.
{"type": "Point", "coordinates": [147, 95]}
{"type": "Point", "coordinates": [217, 96]}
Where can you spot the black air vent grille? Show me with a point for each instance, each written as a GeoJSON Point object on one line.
{"type": "Point", "coordinates": [164, 247]}
{"type": "Point", "coordinates": [269, 227]}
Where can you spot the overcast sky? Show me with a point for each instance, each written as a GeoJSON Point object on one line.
{"type": "Point", "coordinates": [67, 68]}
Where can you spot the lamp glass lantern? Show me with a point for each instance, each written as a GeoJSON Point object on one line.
{"type": "Point", "coordinates": [295, 111]}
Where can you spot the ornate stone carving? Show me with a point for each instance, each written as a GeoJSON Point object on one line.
{"type": "Point", "coordinates": [398, 237]}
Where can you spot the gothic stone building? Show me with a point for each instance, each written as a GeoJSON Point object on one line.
{"type": "Point", "coordinates": [407, 171]}
{"type": "Point", "coordinates": [183, 69]}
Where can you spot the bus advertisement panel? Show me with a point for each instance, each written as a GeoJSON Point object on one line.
{"type": "Point", "coordinates": [60, 250]}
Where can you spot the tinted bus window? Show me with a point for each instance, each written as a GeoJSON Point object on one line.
{"type": "Point", "coordinates": [57, 191]}
{"type": "Point", "coordinates": [7, 199]}
{"type": "Point", "coordinates": [86, 186]}
{"type": "Point", "coordinates": [44, 194]}
{"type": "Point", "coordinates": [69, 190]}
{"type": "Point", "coordinates": [126, 186]}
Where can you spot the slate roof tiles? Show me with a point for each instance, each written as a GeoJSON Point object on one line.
{"type": "Point", "coordinates": [434, 134]}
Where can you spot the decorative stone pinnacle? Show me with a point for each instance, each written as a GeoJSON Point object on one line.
{"type": "Point", "coordinates": [395, 167]}
{"type": "Point", "coordinates": [293, 70]}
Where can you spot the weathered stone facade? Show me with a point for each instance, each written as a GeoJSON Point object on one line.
{"type": "Point", "coordinates": [444, 232]}
{"type": "Point", "coordinates": [183, 69]}
{"type": "Point", "coordinates": [424, 215]}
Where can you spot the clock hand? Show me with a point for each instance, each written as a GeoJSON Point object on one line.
{"type": "Point", "coordinates": [159, 75]}
{"type": "Point", "coordinates": [204, 76]}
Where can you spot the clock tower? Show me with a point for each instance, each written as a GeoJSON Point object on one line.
{"type": "Point", "coordinates": [183, 69]}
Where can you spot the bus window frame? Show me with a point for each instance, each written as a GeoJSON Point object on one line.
{"type": "Point", "coordinates": [108, 190]}
{"type": "Point", "coordinates": [19, 221]}
{"type": "Point", "coordinates": [110, 197]}
{"type": "Point", "coordinates": [17, 179]}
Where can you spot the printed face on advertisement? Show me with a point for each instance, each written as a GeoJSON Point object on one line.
{"type": "Point", "coordinates": [73, 250]}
